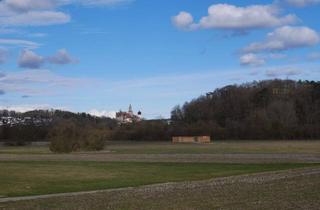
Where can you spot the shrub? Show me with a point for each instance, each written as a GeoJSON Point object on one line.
{"type": "Point", "coordinates": [92, 140]}
{"type": "Point", "coordinates": [67, 136]}
{"type": "Point", "coordinates": [63, 137]}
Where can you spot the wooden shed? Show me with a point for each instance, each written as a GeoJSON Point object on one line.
{"type": "Point", "coordinates": [191, 139]}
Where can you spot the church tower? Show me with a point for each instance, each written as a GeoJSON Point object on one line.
{"type": "Point", "coordinates": [130, 110]}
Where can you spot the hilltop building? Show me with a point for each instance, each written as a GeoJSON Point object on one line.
{"type": "Point", "coordinates": [128, 117]}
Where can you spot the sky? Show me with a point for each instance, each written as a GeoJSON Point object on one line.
{"type": "Point", "coordinates": [99, 56]}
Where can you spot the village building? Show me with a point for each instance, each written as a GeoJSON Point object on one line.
{"type": "Point", "coordinates": [128, 117]}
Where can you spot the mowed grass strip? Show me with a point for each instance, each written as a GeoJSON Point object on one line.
{"type": "Point", "coordinates": [38, 178]}
{"type": "Point", "coordinates": [22, 150]}
{"type": "Point", "coordinates": [216, 147]}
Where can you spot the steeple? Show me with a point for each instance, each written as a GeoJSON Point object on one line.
{"type": "Point", "coordinates": [130, 109]}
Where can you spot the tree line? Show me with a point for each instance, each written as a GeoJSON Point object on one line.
{"type": "Point", "coordinates": [270, 109]}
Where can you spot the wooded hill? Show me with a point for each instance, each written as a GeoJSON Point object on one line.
{"type": "Point", "coordinates": [272, 109]}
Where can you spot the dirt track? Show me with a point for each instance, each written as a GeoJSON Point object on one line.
{"type": "Point", "coordinates": [293, 189]}
{"type": "Point", "coordinates": [214, 158]}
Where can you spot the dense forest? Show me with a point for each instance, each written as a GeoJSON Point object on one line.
{"type": "Point", "coordinates": [271, 109]}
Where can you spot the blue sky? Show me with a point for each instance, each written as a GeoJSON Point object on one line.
{"type": "Point", "coordinates": [99, 56]}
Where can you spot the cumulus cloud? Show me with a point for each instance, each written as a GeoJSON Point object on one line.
{"type": "Point", "coordinates": [29, 59]}
{"type": "Point", "coordinates": [283, 71]}
{"type": "Point", "coordinates": [302, 3]}
{"type": "Point", "coordinates": [102, 113]}
{"type": "Point", "coordinates": [61, 57]}
{"type": "Point", "coordinates": [3, 55]}
{"type": "Point", "coordinates": [251, 59]}
{"type": "Point", "coordinates": [284, 38]}
{"type": "Point", "coordinates": [230, 17]}
{"type": "Point", "coordinates": [183, 20]}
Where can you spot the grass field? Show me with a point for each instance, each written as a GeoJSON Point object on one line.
{"type": "Point", "coordinates": [36, 178]}
{"type": "Point", "coordinates": [296, 189]}
{"type": "Point", "coordinates": [34, 170]}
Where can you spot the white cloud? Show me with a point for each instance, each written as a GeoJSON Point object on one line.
{"type": "Point", "coordinates": [35, 18]}
{"type": "Point", "coordinates": [102, 113]}
{"type": "Point", "coordinates": [43, 12]}
{"type": "Point", "coordinates": [302, 3]}
{"type": "Point", "coordinates": [29, 5]}
{"type": "Point", "coordinates": [255, 60]}
{"type": "Point", "coordinates": [103, 2]}
{"type": "Point", "coordinates": [183, 20]}
{"type": "Point", "coordinates": [284, 38]}
{"type": "Point", "coordinates": [230, 17]}
{"type": "Point", "coordinates": [18, 42]}
{"type": "Point", "coordinates": [61, 57]}
{"type": "Point", "coordinates": [31, 60]}
{"type": "Point", "coordinates": [251, 60]}
{"type": "Point", "coordinates": [31, 13]}
{"type": "Point", "coordinates": [283, 71]}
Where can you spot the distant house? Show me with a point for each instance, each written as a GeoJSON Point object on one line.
{"type": "Point", "coordinates": [191, 139]}
{"type": "Point", "coordinates": [128, 117]}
